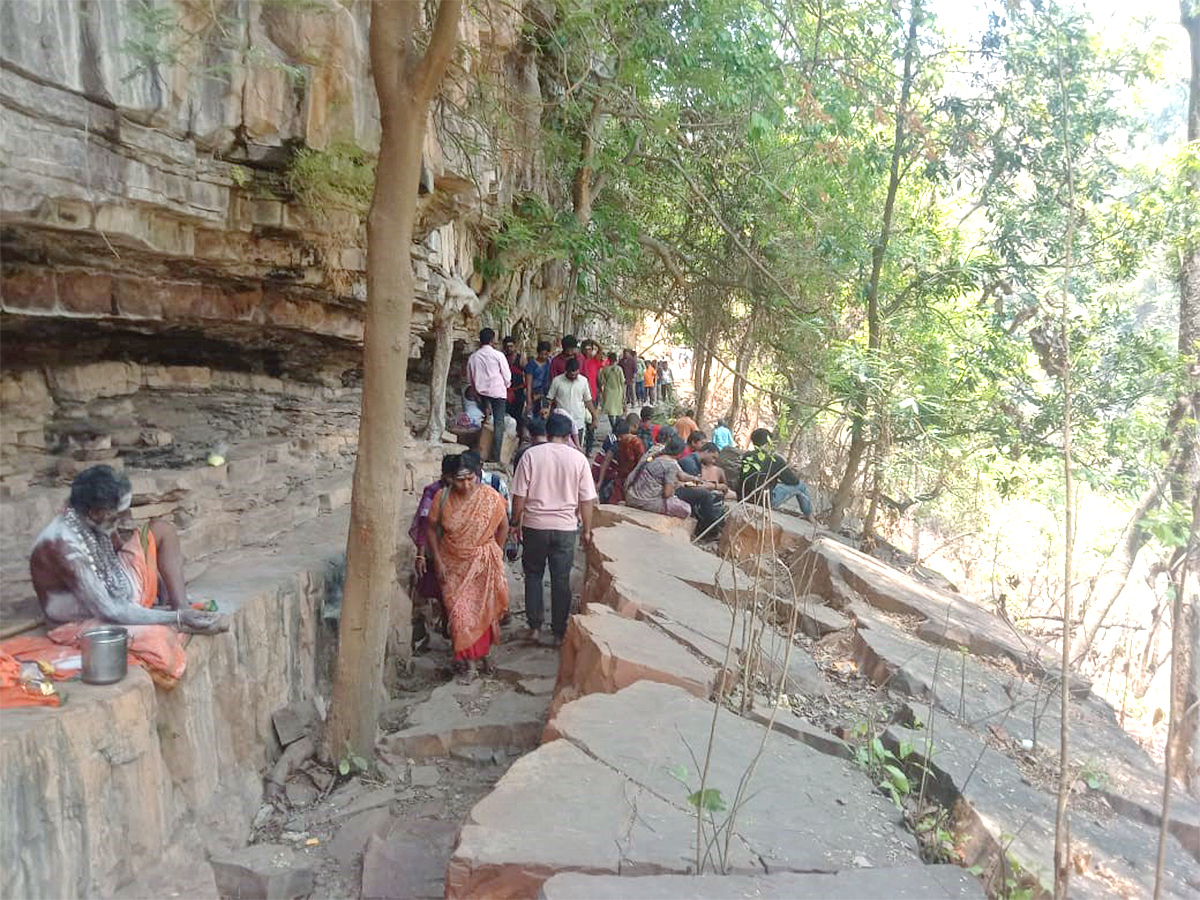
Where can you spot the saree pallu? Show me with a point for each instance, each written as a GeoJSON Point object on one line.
{"type": "Point", "coordinates": [475, 591]}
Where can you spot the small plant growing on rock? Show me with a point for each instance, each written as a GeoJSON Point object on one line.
{"type": "Point", "coordinates": [351, 763]}
{"type": "Point", "coordinates": [707, 802]}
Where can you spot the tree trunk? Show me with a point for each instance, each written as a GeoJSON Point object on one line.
{"type": "Point", "coordinates": [1062, 824]}
{"type": "Point", "coordinates": [443, 350]}
{"type": "Point", "coordinates": [700, 379]}
{"type": "Point", "coordinates": [405, 83]}
{"type": "Point", "coordinates": [1185, 482]}
{"type": "Point", "coordinates": [741, 368]}
{"type": "Point", "coordinates": [858, 436]}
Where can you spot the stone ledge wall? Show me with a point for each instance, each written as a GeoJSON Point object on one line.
{"type": "Point", "coordinates": [147, 196]}
{"type": "Point", "coordinates": [95, 792]}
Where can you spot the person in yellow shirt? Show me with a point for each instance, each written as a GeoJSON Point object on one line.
{"type": "Point", "coordinates": [651, 377]}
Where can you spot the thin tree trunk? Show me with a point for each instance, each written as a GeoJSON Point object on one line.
{"type": "Point", "coordinates": [443, 350]}
{"type": "Point", "coordinates": [1062, 824]}
{"type": "Point", "coordinates": [1185, 482]}
{"type": "Point", "coordinates": [859, 415]}
{"type": "Point", "coordinates": [405, 82]}
{"type": "Point", "coordinates": [741, 368]}
{"type": "Point", "coordinates": [702, 376]}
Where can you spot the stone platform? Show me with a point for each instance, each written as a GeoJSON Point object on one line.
{"type": "Point", "coordinates": [94, 793]}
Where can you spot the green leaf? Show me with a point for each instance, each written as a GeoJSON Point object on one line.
{"type": "Point", "coordinates": [709, 800]}
{"type": "Point", "coordinates": [898, 778]}
{"type": "Point", "coordinates": [344, 767]}
{"type": "Point", "coordinates": [359, 763]}
{"type": "Point", "coordinates": [679, 773]}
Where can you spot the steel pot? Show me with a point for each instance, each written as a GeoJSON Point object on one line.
{"type": "Point", "coordinates": [105, 659]}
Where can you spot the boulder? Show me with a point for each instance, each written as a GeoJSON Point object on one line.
{"type": "Point", "coordinates": [457, 715]}
{"type": "Point", "coordinates": [604, 652]}
{"type": "Point", "coordinates": [408, 862]}
{"type": "Point", "coordinates": [263, 872]}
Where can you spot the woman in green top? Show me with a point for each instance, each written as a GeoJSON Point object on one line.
{"type": "Point", "coordinates": [612, 390]}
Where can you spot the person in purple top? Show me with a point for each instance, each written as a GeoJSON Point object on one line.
{"type": "Point", "coordinates": [428, 588]}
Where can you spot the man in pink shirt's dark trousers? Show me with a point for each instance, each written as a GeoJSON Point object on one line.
{"type": "Point", "coordinates": [552, 491]}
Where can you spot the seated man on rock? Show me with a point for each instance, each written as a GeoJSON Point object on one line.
{"type": "Point", "coordinates": [91, 562]}
{"type": "Point", "coordinates": [768, 479]}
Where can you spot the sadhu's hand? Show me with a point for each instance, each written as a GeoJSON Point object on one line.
{"type": "Point", "coordinates": [420, 564]}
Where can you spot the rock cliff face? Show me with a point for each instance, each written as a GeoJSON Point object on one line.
{"type": "Point", "coordinates": [142, 160]}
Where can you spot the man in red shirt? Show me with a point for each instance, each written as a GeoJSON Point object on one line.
{"type": "Point", "coordinates": [570, 350]}
{"type": "Point", "coordinates": [590, 365]}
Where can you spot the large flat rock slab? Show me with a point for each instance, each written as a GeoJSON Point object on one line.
{"type": "Point", "coordinates": [641, 573]}
{"type": "Point", "coordinates": [604, 652]}
{"type": "Point", "coordinates": [825, 564]}
{"type": "Point", "coordinates": [914, 882]}
{"type": "Point", "coordinates": [1002, 817]}
{"type": "Point", "coordinates": [560, 810]}
{"type": "Point", "coordinates": [484, 713]}
{"type": "Point", "coordinates": [803, 810]}
{"type": "Point", "coordinates": [981, 696]}
{"type": "Point", "coordinates": [609, 514]}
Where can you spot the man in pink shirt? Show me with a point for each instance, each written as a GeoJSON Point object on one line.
{"type": "Point", "coordinates": [551, 488]}
{"type": "Point", "coordinates": [490, 374]}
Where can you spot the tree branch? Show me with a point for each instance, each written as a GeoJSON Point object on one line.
{"type": "Point", "coordinates": [427, 74]}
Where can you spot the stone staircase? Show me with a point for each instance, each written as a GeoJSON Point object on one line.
{"type": "Point", "coordinates": [604, 806]}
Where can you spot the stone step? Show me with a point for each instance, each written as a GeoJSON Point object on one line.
{"type": "Point", "coordinates": [600, 796]}
{"type": "Point", "coordinates": [1005, 822]}
{"type": "Point", "coordinates": [647, 574]}
{"type": "Point", "coordinates": [604, 652]}
{"type": "Point", "coordinates": [884, 883]}
{"type": "Point", "coordinates": [484, 714]}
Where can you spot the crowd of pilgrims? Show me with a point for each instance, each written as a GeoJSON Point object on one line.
{"type": "Point", "coordinates": [469, 520]}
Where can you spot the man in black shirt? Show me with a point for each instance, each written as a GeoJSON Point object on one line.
{"type": "Point", "coordinates": [766, 478]}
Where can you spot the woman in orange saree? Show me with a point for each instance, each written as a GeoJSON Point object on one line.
{"type": "Point", "coordinates": [466, 530]}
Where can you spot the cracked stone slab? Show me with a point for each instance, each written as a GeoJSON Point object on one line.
{"type": "Point", "coordinates": [979, 696]}
{"type": "Point", "coordinates": [804, 810]}
{"type": "Point", "coordinates": [559, 810]}
{"type": "Point", "coordinates": [909, 883]}
{"type": "Point", "coordinates": [1003, 816]}
{"type": "Point", "coordinates": [678, 529]}
{"type": "Point", "coordinates": [642, 574]}
{"type": "Point", "coordinates": [845, 575]}
{"type": "Point", "coordinates": [481, 714]}
{"type": "Point", "coordinates": [604, 652]}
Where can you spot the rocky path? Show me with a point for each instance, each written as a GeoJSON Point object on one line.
{"type": "Point", "coordinates": [390, 834]}
{"type": "Point", "coordinates": [906, 755]}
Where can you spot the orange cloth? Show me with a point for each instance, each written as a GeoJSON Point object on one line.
{"type": "Point", "coordinates": [14, 692]}
{"type": "Point", "coordinates": [651, 375]}
{"type": "Point", "coordinates": [33, 648]}
{"type": "Point", "coordinates": [140, 556]}
{"type": "Point", "coordinates": [157, 647]}
{"type": "Point", "coordinates": [476, 588]}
